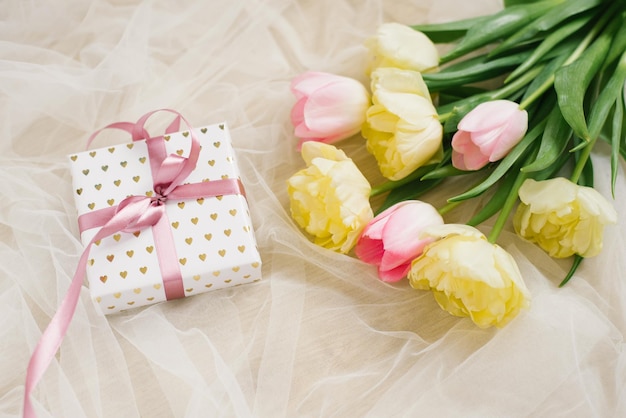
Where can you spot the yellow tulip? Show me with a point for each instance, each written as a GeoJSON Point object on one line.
{"type": "Point", "coordinates": [469, 276]}
{"type": "Point", "coordinates": [563, 218]}
{"type": "Point", "coordinates": [330, 198]}
{"type": "Point", "coordinates": [402, 129]}
{"type": "Point", "coordinates": [399, 46]}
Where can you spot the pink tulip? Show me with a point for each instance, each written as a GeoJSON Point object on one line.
{"type": "Point", "coordinates": [391, 240]}
{"type": "Point", "coordinates": [329, 107]}
{"type": "Point", "coordinates": [487, 134]}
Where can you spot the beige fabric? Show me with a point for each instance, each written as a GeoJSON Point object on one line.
{"type": "Point", "coordinates": [320, 336]}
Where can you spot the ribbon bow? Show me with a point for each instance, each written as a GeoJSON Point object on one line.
{"type": "Point", "coordinates": [132, 214]}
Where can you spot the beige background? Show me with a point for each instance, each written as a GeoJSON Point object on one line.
{"type": "Point", "coordinates": [320, 336]}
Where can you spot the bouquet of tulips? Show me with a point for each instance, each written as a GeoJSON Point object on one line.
{"type": "Point", "coordinates": [556, 71]}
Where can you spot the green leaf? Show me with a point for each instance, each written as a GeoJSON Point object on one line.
{"type": "Point", "coordinates": [619, 43]}
{"type": "Point", "coordinates": [505, 164]}
{"type": "Point", "coordinates": [407, 192]}
{"type": "Point", "coordinates": [449, 31]}
{"type": "Point", "coordinates": [571, 82]}
{"type": "Point", "coordinates": [570, 274]}
{"type": "Point", "coordinates": [553, 142]}
{"type": "Point", "coordinates": [443, 172]}
{"type": "Point", "coordinates": [551, 41]}
{"type": "Point", "coordinates": [509, 3]}
{"type": "Point", "coordinates": [618, 122]}
{"type": "Point", "coordinates": [499, 25]}
{"type": "Point", "coordinates": [609, 94]}
{"type": "Point", "coordinates": [546, 22]}
{"type": "Point", "coordinates": [482, 69]}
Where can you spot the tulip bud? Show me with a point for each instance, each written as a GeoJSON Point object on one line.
{"type": "Point", "coordinates": [329, 107]}
{"type": "Point", "coordinates": [487, 134]}
{"type": "Point", "coordinates": [399, 46]}
{"type": "Point", "coordinates": [391, 240]}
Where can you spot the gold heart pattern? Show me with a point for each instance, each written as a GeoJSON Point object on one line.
{"type": "Point", "coordinates": [214, 242]}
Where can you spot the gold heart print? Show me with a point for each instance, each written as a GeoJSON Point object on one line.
{"type": "Point", "coordinates": [104, 167]}
{"type": "Point", "coordinates": [79, 191]}
{"type": "Point", "coordinates": [202, 256]}
{"type": "Point", "coordinates": [98, 186]}
{"type": "Point", "coordinates": [227, 232]}
{"type": "Point", "coordinates": [182, 261]}
{"type": "Point", "coordinates": [74, 157]}
{"type": "Point", "coordinates": [137, 290]}
{"type": "Point", "coordinates": [142, 160]}
{"type": "Point", "coordinates": [123, 274]}
{"type": "Point", "coordinates": [188, 240]}
{"type": "Point", "coordinates": [92, 154]}
{"type": "Point", "coordinates": [203, 130]}
{"type": "Point", "coordinates": [208, 236]}
{"type": "Point", "coordinates": [194, 221]}
{"type": "Point", "coordinates": [130, 146]}
{"type": "Point", "coordinates": [110, 257]}
{"type": "Point", "coordinates": [136, 178]}
{"type": "Point", "coordinates": [117, 182]}
{"type": "Point", "coordinates": [130, 253]}
{"type": "Point", "coordinates": [186, 134]}
{"type": "Point", "coordinates": [86, 171]}
{"type": "Point", "coordinates": [112, 150]}
{"type": "Point", "coordinates": [124, 163]}
{"type": "Point", "coordinates": [200, 200]}
{"type": "Point", "coordinates": [143, 269]}
{"type": "Point", "coordinates": [149, 248]}
{"type": "Point", "coordinates": [91, 205]}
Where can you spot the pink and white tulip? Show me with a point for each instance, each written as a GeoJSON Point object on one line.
{"type": "Point", "coordinates": [487, 134]}
{"type": "Point", "coordinates": [392, 239]}
{"type": "Point", "coordinates": [329, 107]}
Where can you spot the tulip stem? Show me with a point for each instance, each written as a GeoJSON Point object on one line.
{"type": "Point", "coordinates": [582, 160]}
{"type": "Point", "coordinates": [448, 207]}
{"type": "Point", "coordinates": [503, 216]}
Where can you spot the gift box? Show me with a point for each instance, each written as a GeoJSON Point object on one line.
{"type": "Point", "coordinates": [204, 239]}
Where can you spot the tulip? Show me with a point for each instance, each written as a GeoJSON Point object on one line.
{"type": "Point", "coordinates": [329, 107]}
{"type": "Point", "coordinates": [563, 218]}
{"type": "Point", "coordinates": [402, 129]}
{"type": "Point", "coordinates": [469, 276]}
{"type": "Point", "coordinates": [330, 198]}
{"type": "Point", "coordinates": [487, 134]}
{"type": "Point", "coordinates": [399, 46]}
{"type": "Point", "coordinates": [391, 240]}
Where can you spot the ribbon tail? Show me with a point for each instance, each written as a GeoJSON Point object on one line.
{"type": "Point", "coordinates": [52, 337]}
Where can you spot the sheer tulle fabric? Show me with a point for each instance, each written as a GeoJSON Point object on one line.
{"type": "Point", "coordinates": [321, 335]}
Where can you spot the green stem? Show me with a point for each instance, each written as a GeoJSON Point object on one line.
{"type": "Point", "coordinates": [580, 164]}
{"type": "Point", "coordinates": [448, 207]}
{"type": "Point", "coordinates": [503, 216]}
{"type": "Point", "coordinates": [511, 88]}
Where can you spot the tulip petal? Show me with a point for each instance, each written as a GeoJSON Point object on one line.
{"type": "Point", "coordinates": [488, 115]}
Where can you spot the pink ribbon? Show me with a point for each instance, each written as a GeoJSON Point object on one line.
{"type": "Point", "coordinates": [132, 214]}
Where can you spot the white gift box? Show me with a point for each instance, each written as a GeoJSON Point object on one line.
{"type": "Point", "coordinates": [213, 236]}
